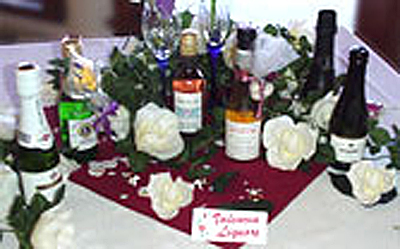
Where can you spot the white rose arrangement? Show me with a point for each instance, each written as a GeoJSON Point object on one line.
{"type": "Point", "coordinates": [369, 182]}
{"type": "Point", "coordinates": [167, 196]}
{"type": "Point", "coordinates": [157, 132]}
{"type": "Point", "coordinates": [288, 144]}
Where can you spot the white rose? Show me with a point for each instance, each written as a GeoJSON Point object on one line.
{"type": "Point", "coordinates": [167, 196]}
{"type": "Point", "coordinates": [322, 109]}
{"type": "Point", "coordinates": [157, 132]}
{"type": "Point", "coordinates": [288, 143]}
{"type": "Point", "coordinates": [255, 90]}
{"type": "Point", "coordinates": [120, 123]}
{"type": "Point", "coordinates": [53, 230]}
{"type": "Point", "coordinates": [8, 190]}
{"type": "Point", "coordinates": [370, 182]}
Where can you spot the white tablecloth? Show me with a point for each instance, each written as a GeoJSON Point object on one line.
{"type": "Point", "coordinates": [318, 218]}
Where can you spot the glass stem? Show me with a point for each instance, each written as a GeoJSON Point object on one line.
{"type": "Point", "coordinates": [163, 65]}
{"type": "Point", "coordinates": [214, 51]}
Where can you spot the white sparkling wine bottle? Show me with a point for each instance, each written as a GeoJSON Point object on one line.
{"type": "Point", "coordinates": [348, 125]}
{"type": "Point", "coordinates": [36, 156]}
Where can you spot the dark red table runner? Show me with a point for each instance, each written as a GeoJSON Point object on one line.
{"type": "Point", "coordinates": [279, 187]}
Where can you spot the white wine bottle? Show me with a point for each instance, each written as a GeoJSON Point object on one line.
{"type": "Point", "coordinates": [348, 124]}
{"type": "Point", "coordinates": [36, 156]}
{"type": "Point", "coordinates": [242, 127]}
{"type": "Point", "coordinates": [322, 74]}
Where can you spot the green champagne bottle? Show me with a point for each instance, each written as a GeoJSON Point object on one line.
{"type": "Point", "coordinates": [78, 135]}
{"type": "Point", "coordinates": [36, 156]}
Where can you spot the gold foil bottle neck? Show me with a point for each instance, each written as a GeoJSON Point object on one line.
{"type": "Point", "coordinates": [188, 45]}
{"type": "Point", "coordinates": [69, 43]}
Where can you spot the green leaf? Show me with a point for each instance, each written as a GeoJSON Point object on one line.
{"type": "Point", "coordinates": [271, 29]}
{"type": "Point", "coordinates": [138, 161]}
{"type": "Point", "coordinates": [380, 136]}
{"type": "Point", "coordinates": [223, 181]}
{"type": "Point", "coordinates": [58, 197]}
{"type": "Point", "coordinates": [186, 18]}
{"type": "Point", "coordinates": [199, 172]}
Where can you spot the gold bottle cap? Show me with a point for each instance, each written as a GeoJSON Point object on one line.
{"type": "Point", "coordinates": [188, 45]}
{"type": "Point", "coordinates": [71, 43]}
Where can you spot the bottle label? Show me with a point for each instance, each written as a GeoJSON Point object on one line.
{"type": "Point", "coordinates": [189, 111]}
{"type": "Point", "coordinates": [242, 140]}
{"type": "Point", "coordinates": [46, 182]}
{"type": "Point", "coordinates": [82, 135]}
{"type": "Point", "coordinates": [33, 130]}
{"type": "Point", "coordinates": [348, 150]}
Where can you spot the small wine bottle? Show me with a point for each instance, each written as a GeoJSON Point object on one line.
{"type": "Point", "coordinates": [189, 86]}
{"type": "Point", "coordinates": [78, 135]}
{"type": "Point", "coordinates": [348, 125]}
{"type": "Point", "coordinates": [242, 127]}
{"type": "Point", "coordinates": [36, 155]}
{"type": "Point", "coordinates": [321, 76]}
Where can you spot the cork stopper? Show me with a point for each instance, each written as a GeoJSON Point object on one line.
{"type": "Point", "coordinates": [69, 43]}
{"type": "Point", "coordinates": [188, 45]}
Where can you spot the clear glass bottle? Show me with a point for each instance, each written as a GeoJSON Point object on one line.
{"type": "Point", "coordinates": [242, 127]}
{"type": "Point", "coordinates": [189, 86]}
{"type": "Point", "coordinates": [76, 116]}
{"type": "Point", "coordinates": [36, 155]}
{"type": "Point", "coordinates": [322, 74]}
{"type": "Point", "coordinates": [348, 124]}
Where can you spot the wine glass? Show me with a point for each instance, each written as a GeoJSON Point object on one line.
{"type": "Point", "coordinates": [214, 18]}
{"type": "Point", "coordinates": [161, 30]}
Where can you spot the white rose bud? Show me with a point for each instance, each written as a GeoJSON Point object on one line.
{"type": "Point", "coordinates": [322, 109]}
{"type": "Point", "coordinates": [120, 123]}
{"type": "Point", "coordinates": [255, 90]}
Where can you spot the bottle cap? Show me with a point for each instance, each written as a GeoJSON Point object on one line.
{"type": "Point", "coordinates": [188, 43]}
{"type": "Point", "coordinates": [326, 21]}
{"type": "Point", "coordinates": [71, 43]}
{"type": "Point", "coordinates": [28, 79]}
{"type": "Point", "coordinates": [245, 38]}
{"type": "Point", "coordinates": [359, 55]}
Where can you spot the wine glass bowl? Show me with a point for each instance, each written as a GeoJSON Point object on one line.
{"type": "Point", "coordinates": [215, 17]}
{"type": "Point", "coordinates": [160, 30]}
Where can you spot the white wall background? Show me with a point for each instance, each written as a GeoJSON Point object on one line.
{"type": "Point", "coordinates": [261, 12]}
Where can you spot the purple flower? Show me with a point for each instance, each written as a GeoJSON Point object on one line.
{"type": "Point", "coordinates": [166, 7]}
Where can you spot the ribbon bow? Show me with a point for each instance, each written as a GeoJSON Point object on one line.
{"type": "Point", "coordinates": [246, 77]}
{"type": "Point", "coordinates": [102, 121]}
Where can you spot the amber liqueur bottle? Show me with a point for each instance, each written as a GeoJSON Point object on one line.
{"type": "Point", "coordinates": [242, 127]}
{"type": "Point", "coordinates": [348, 124]}
{"type": "Point", "coordinates": [322, 74]}
{"type": "Point", "coordinates": [189, 86]}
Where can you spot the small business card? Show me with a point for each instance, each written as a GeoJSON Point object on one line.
{"type": "Point", "coordinates": [240, 226]}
